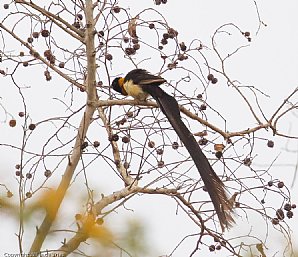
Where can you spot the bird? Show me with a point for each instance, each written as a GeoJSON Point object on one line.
{"type": "Point", "coordinates": [140, 84]}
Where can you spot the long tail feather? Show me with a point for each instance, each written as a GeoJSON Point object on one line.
{"type": "Point", "coordinates": [213, 184]}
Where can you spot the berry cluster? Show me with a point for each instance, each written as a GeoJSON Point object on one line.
{"type": "Point", "coordinates": [280, 213]}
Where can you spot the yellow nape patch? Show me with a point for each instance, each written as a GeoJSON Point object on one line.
{"type": "Point", "coordinates": [120, 82]}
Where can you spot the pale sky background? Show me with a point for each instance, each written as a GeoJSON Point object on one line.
{"type": "Point", "coordinates": [269, 63]}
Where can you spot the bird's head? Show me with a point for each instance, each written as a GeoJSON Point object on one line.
{"type": "Point", "coordinates": [117, 85]}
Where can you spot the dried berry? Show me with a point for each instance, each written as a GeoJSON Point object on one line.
{"type": "Point", "coordinates": [181, 57]}
{"type": "Point", "coordinates": [165, 35]}
{"type": "Point", "coordinates": [130, 51]}
{"type": "Point", "coordinates": [47, 75]}
{"type": "Point", "coordinates": [47, 53]}
{"type": "Point", "coordinates": [47, 173]}
{"type": "Point", "coordinates": [116, 9]}
{"type": "Point", "coordinates": [28, 175]}
{"type": "Point", "coordinates": [157, 2]}
{"type": "Point", "coordinates": [280, 184]}
{"type": "Point", "coordinates": [52, 59]}
{"type": "Point", "coordinates": [223, 243]}
{"type": "Point", "coordinates": [293, 206]}
{"type": "Point", "coordinates": [6, 6]}
{"type": "Point", "coordinates": [270, 143]}
{"type": "Point", "coordinates": [135, 40]}
{"type": "Point", "coordinates": [161, 164]}
{"type": "Point", "coordinates": [32, 126]}
{"type": "Point", "coordinates": [151, 144]}
{"type": "Point", "coordinates": [126, 165]}
{"type": "Point", "coordinates": [35, 34]}
{"type": "Point", "coordinates": [123, 120]}
{"type": "Point", "coordinates": [182, 46]}
{"type": "Point", "coordinates": [159, 151]}
{"type": "Point", "coordinates": [80, 16]}
{"type": "Point", "coordinates": [126, 39]}
{"type": "Point", "coordinates": [249, 39]}
{"type": "Point", "coordinates": [25, 64]}
{"type": "Point", "coordinates": [275, 221]}
{"type": "Point", "coordinates": [218, 247]}
{"type": "Point", "coordinates": [216, 239]}
{"type": "Point", "coordinates": [214, 80]}
{"type": "Point", "coordinates": [210, 77]}
{"type": "Point", "coordinates": [160, 47]}
{"type": "Point", "coordinates": [30, 40]}
{"type": "Point", "coordinates": [262, 201]}
{"type": "Point", "coordinates": [18, 173]}
{"type": "Point", "coordinates": [99, 83]}
{"type": "Point", "coordinates": [164, 41]}
{"type": "Point", "coordinates": [45, 33]}
{"type": "Point", "coordinates": [109, 57]}
{"type": "Point", "coordinates": [218, 154]}
{"type": "Point", "coordinates": [203, 107]}
{"type": "Point", "coordinates": [290, 214]}
{"type": "Point", "coordinates": [247, 161]}
{"type": "Point", "coordinates": [172, 32]}
{"type": "Point", "coordinates": [117, 163]}
{"type": "Point", "coordinates": [136, 46]}
{"type": "Point", "coordinates": [200, 96]}
{"type": "Point", "coordinates": [246, 34]}
{"type": "Point", "coordinates": [172, 66]}
{"type": "Point", "coordinates": [164, 1]}
{"type": "Point", "coordinates": [84, 145]}
{"type": "Point", "coordinates": [175, 145]}
{"type": "Point", "coordinates": [113, 137]}
{"type": "Point", "coordinates": [287, 207]}
{"type": "Point", "coordinates": [129, 114]}
{"type": "Point", "coordinates": [203, 141]}
{"type": "Point", "coordinates": [125, 139]}
{"type": "Point", "coordinates": [22, 54]}
{"type": "Point", "coordinates": [18, 166]}
{"type": "Point", "coordinates": [12, 123]}
{"type": "Point", "coordinates": [61, 65]}
{"type": "Point", "coordinates": [270, 183]}
{"type": "Point", "coordinates": [280, 214]}
{"type": "Point", "coordinates": [48, 78]}
{"type": "Point", "coordinates": [28, 194]}
{"type": "Point", "coordinates": [96, 144]}
{"type": "Point", "coordinates": [100, 33]}
{"type": "Point", "coordinates": [76, 24]}
{"type": "Point", "coordinates": [212, 248]}
{"type": "Point", "coordinates": [151, 26]}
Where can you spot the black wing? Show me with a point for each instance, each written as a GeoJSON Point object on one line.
{"type": "Point", "coordinates": [143, 77]}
